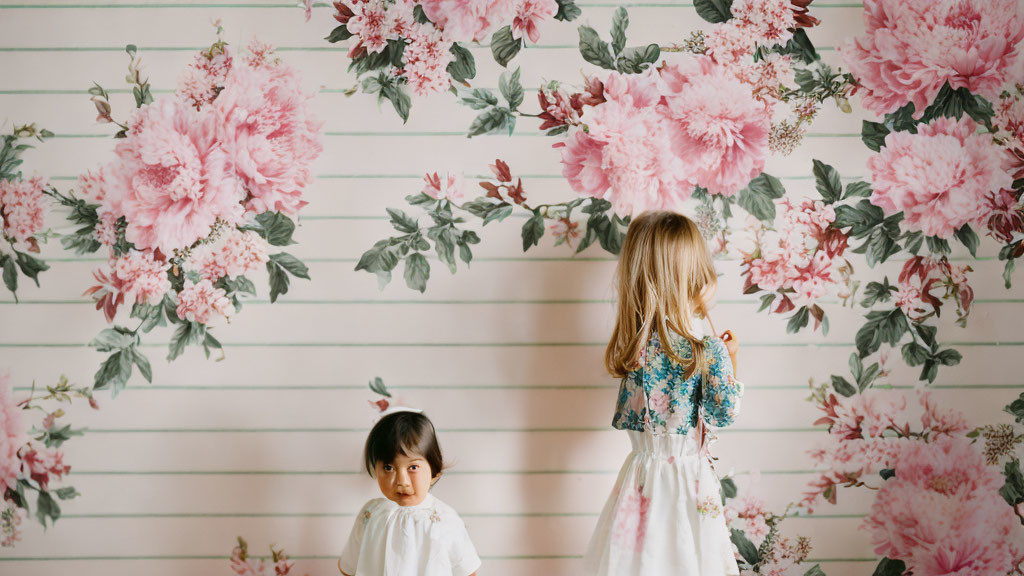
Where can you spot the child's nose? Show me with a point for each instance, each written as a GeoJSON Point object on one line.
{"type": "Point", "coordinates": [403, 477]}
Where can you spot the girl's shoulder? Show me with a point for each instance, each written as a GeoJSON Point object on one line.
{"type": "Point", "coordinates": [444, 512]}
{"type": "Point", "coordinates": [376, 505]}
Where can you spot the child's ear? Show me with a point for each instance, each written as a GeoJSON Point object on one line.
{"type": "Point", "coordinates": [435, 478]}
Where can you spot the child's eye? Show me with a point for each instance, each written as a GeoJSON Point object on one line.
{"type": "Point", "coordinates": [414, 467]}
{"type": "Point", "coordinates": [388, 467]}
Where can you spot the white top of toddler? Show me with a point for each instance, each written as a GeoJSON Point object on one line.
{"type": "Point", "coordinates": [428, 539]}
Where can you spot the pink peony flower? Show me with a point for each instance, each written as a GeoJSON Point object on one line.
{"type": "Point", "coordinates": [942, 513]}
{"type": "Point", "coordinates": [232, 254]}
{"type": "Point", "coordinates": [43, 465]}
{"type": "Point", "coordinates": [447, 187]}
{"type": "Point", "coordinates": [12, 435]}
{"type": "Point", "coordinates": [939, 177]}
{"type": "Point", "coordinates": [626, 157]}
{"type": "Point", "coordinates": [368, 23]}
{"type": "Point", "coordinates": [720, 132]}
{"type": "Point", "coordinates": [271, 135]}
{"type": "Point", "coordinates": [1009, 119]}
{"type": "Point", "coordinates": [199, 302]}
{"type": "Point", "coordinates": [22, 207]}
{"type": "Point", "coordinates": [468, 20]}
{"type": "Point", "coordinates": [910, 48]}
{"type": "Point", "coordinates": [172, 179]}
{"type": "Point", "coordinates": [530, 13]}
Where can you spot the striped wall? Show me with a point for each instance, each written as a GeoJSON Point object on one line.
{"type": "Point", "coordinates": [505, 357]}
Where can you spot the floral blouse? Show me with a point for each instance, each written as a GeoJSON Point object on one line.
{"type": "Point", "coordinates": [656, 397]}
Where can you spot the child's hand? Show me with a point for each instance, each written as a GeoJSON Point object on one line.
{"type": "Point", "coordinates": [733, 346]}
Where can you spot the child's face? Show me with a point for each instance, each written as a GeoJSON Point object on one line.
{"type": "Point", "coordinates": [406, 481]}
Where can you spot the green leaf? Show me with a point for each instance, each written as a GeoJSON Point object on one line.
{"type": "Point", "coordinates": [729, 489]}
{"type": "Point", "coordinates": [1008, 273]}
{"type": "Point", "coordinates": [937, 245]}
{"type": "Point", "coordinates": [766, 301]}
{"type": "Point", "coordinates": [187, 333]}
{"type": "Point", "coordinates": [338, 34]}
{"type": "Point", "coordinates": [143, 364]}
{"type": "Point", "coordinates": [927, 334]}
{"type": "Point", "coordinates": [881, 326]}
{"type": "Point", "coordinates": [477, 98]}
{"type": "Point", "coordinates": [111, 339]}
{"type": "Point", "coordinates": [636, 59]}
{"type": "Point", "coordinates": [503, 46]}
{"type": "Point", "coordinates": [758, 197]}
{"type": "Point", "coordinates": [66, 493]}
{"type": "Point", "coordinates": [399, 98]}
{"type": "Point", "coordinates": [402, 221]}
{"type": "Point", "coordinates": [949, 357]}
{"type": "Point", "coordinates": [858, 189]}
{"type": "Point", "coordinates": [114, 372]}
{"type": "Point", "coordinates": [417, 272]}
{"type": "Point", "coordinates": [968, 238]}
{"type": "Point", "coordinates": [1013, 487]}
{"type": "Point", "coordinates": [150, 314]}
{"type": "Point", "coordinates": [276, 228]}
{"type": "Point", "coordinates": [567, 10]}
{"type": "Point", "coordinates": [533, 230]}
{"type": "Point", "coordinates": [798, 320]}
{"type": "Point", "coordinates": [379, 260]}
{"type": "Point", "coordinates": [511, 88]}
{"type": "Point", "coordinates": [955, 103]}
{"type": "Point", "coordinates": [463, 68]}
{"type": "Point", "coordinates": [30, 266]}
{"type": "Point", "coordinates": [714, 11]}
{"type": "Point", "coordinates": [856, 366]}
{"type": "Point", "coordinates": [620, 21]}
{"type": "Point", "coordinates": [876, 292]}
{"type": "Point", "coordinates": [46, 508]}
{"type": "Point", "coordinates": [828, 183]}
{"type": "Point", "coordinates": [1016, 408]}
{"type": "Point", "coordinates": [873, 135]}
{"type": "Point", "coordinates": [595, 50]}
{"type": "Point", "coordinates": [815, 571]}
{"type": "Point", "coordinates": [10, 273]}
{"type": "Point", "coordinates": [492, 120]}
{"type": "Point", "coordinates": [444, 244]}
{"type": "Point", "coordinates": [914, 354]}
{"type": "Point", "coordinates": [889, 567]}
{"type": "Point", "coordinates": [746, 548]}
{"type": "Point", "coordinates": [887, 473]}
{"type": "Point", "coordinates": [801, 47]}
{"type": "Point", "coordinates": [843, 386]}
{"type": "Point", "coordinates": [277, 267]}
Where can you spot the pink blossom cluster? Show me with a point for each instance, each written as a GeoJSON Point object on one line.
{"type": "Point", "coordinates": [1009, 119]}
{"type": "Point", "coordinates": [446, 187]}
{"type": "Point", "coordinates": [11, 518]}
{"type": "Point", "coordinates": [22, 208]}
{"type": "Point", "coordinates": [756, 23]}
{"type": "Point", "coordinates": [474, 20]}
{"type": "Point", "coordinates": [233, 253]}
{"type": "Point", "coordinates": [653, 137]}
{"type": "Point", "coordinates": [748, 515]}
{"type": "Point", "coordinates": [781, 557]}
{"type": "Point", "coordinates": [801, 256]}
{"type": "Point", "coordinates": [868, 432]}
{"type": "Point", "coordinates": [134, 277]}
{"type": "Point", "coordinates": [921, 276]}
{"type": "Point", "coordinates": [942, 512]}
{"type": "Point", "coordinates": [202, 302]}
{"type": "Point", "coordinates": [12, 436]}
{"type": "Point", "coordinates": [939, 178]}
{"type": "Point", "coordinates": [205, 77]}
{"type": "Point", "coordinates": [911, 48]}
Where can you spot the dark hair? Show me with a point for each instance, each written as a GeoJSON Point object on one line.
{"type": "Point", "coordinates": [403, 432]}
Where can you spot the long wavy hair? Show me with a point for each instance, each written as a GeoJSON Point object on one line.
{"type": "Point", "coordinates": [664, 271]}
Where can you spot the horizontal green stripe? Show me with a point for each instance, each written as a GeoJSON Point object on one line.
{"type": "Point", "coordinates": [611, 385]}
{"type": "Point", "coordinates": [418, 176]}
{"type": "Point", "coordinates": [364, 430]}
{"type": "Point", "coordinates": [173, 5]}
{"type": "Point", "coordinates": [455, 302]}
{"type": "Point", "coordinates": [143, 49]}
{"type": "Point", "coordinates": [473, 344]}
{"type": "Point", "coordinates": [331, 557]}
{"type": "Point", "coordinates": [178, 515]}
{"type": "Point", "coordinates": [78, 472]}
{"type": "Point", "coordinates": [448, 134]}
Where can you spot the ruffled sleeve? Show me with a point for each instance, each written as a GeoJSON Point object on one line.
{"type": "Point", "coordinates": [720, 390]}
{"type": "Point", "coordinates": [350, 557]}
{"type": "Point", "coordinates": [463, 556]}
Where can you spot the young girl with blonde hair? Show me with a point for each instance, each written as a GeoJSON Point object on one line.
{"type": "Point", "coordinates": [665, 515]}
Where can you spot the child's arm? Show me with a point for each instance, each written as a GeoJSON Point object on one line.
{"type": "Point", "coordinates": [720, 391]}
{"type": "Point", "coordinates": [733, 346]}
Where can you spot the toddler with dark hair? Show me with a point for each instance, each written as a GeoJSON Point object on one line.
{"type": "Point", "coordinates": [409, 532]}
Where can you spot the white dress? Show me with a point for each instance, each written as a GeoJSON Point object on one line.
{"type": "Point", "coordinates": [428, 539]}
{"type": "Point", "coordinates": [664, 515]}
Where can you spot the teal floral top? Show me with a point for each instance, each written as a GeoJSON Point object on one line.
{"type": "Point", "coordinates": [657, 397]}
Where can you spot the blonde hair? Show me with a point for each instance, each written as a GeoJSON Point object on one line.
{"type": "Point", "coordinates": [664, 267]}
